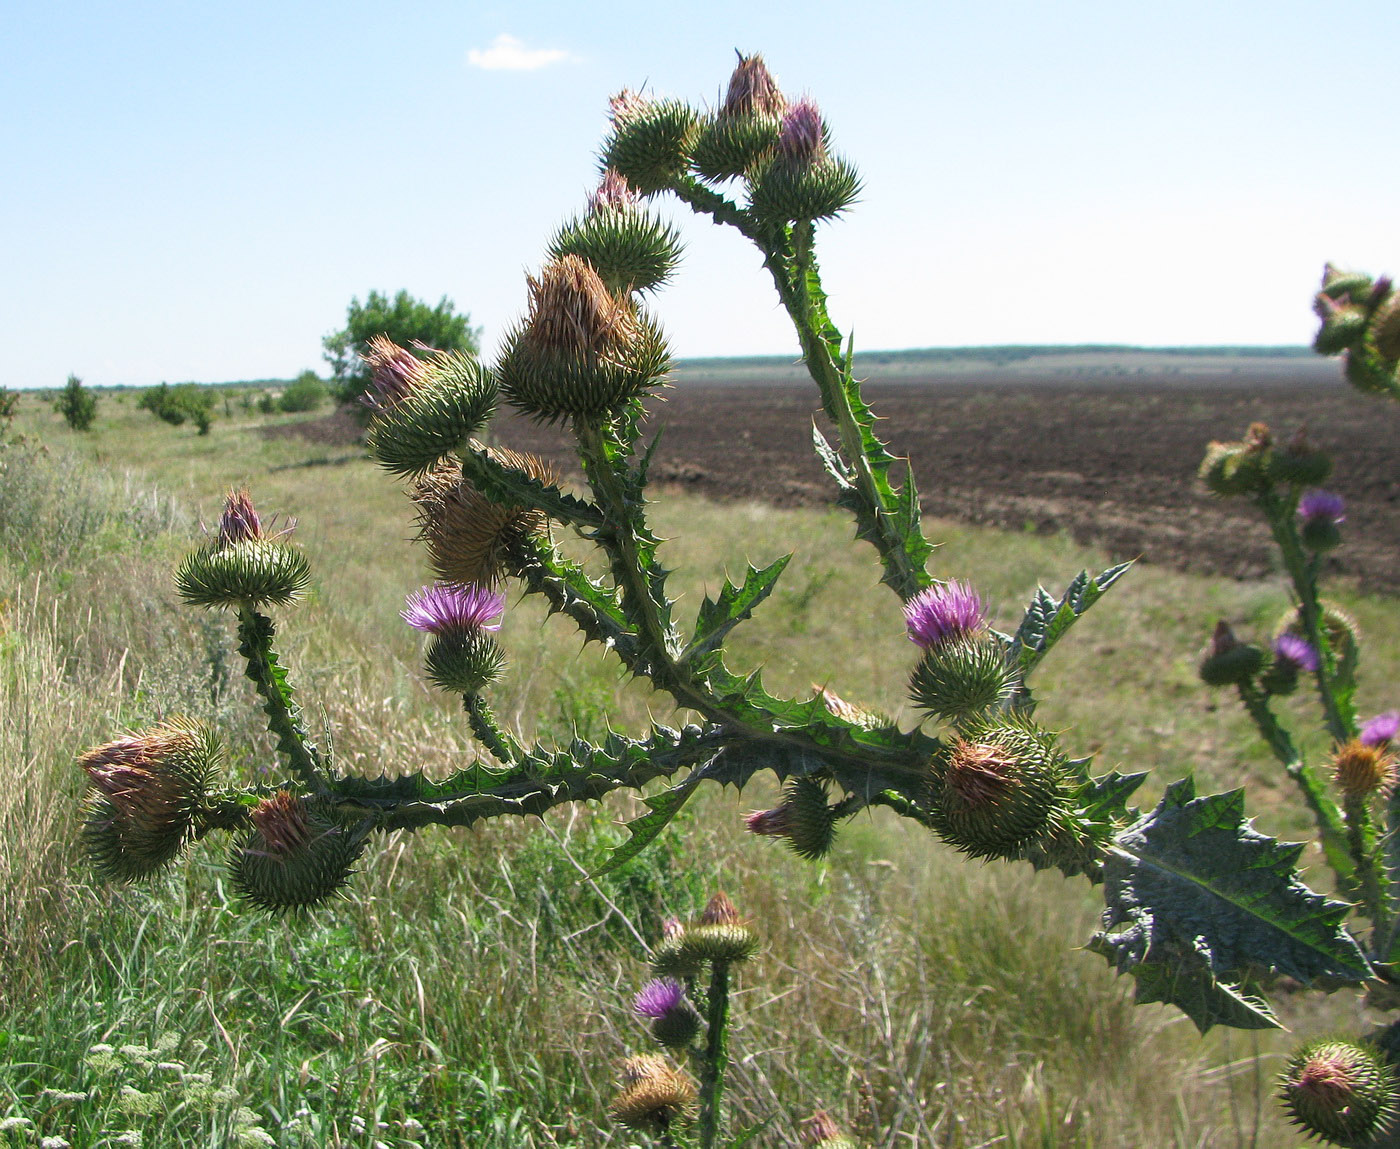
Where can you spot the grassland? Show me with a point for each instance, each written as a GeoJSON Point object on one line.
{"type": "Point", "coordinates": [473, 989]}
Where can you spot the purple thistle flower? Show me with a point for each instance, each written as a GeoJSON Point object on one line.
{"type": "Point", "coordinates": [940, 613]}
{"type": "Point", "coordinates": [395, 373]}
{"type": "Point", "coordinates": [454, 606]}
{"type": "Point", "coordinates": [802, 139]}
{"type": "Point", "coordinates": [1298, 651]}
{"type": "Point", "coordinates": [1381, 730]}
{"type": "Point", "coordinates": [613, 193]}
{"type": "Point", "coordinates": [1321, 506]}
{"type": "Point", "coordinates": [239, 523]}
{"type": "Point", "coordinates": [659, 998]}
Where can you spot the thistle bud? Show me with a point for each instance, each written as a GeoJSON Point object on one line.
{"type": "Point", "coordinates": [461, 655]}
{"type": "Point", "coordinates": [1292, 655]}
{"type": "Point", "coordinates": [654, 1096]}
{"type": "Point", "coordinates": [719, 936]}
{"type": "Point", "coordinates": [295, 856]}
{"type": "Point", "coordinates": [1361, 769]}
{"type": "Point", "coordinates": [1381, 730]}
{"type": "Point", "coordinates": [1340, 630]}
{"type": "Point", "coordinates": [240, 566]}
{"type": "Point", "coordinates": [146, 793]}
{"type": "Point", "coordinates": [470, 539]}
{"type": "Point", "coordinates": [996, 790]}
{"type": "Point", "coordinates": [745, 129]}
{"type": "Point", "coordinates": [651, 141]}
{"type": "Point", "coordinates": [1344, 285]}
{"type": "Point", "coordinates": [1385, 329]}
{"type": "Point", "coordinates": [1343, 325]}
{"type": "Point", "coordinates": [1239, 468]}
{"type": "Point", "coordinates": [1299, 463]}
{"type": "Point", "coordinates": [674, 1021]}
{"type": "Point", "coordinates": [423, 409]}
{"type": "Point", "coordinates": [804, 820]}
{"type": "Point", "coordinates": [1226, 661]}
{"type": "Point", "coordinates": [1320, 513]}
{"type": "Point", "coordinates": [820, 1132]}
{"type": "Point", "coordinates": [581, 352]}
{"type": "Point", "coordinates": [801, 180]}
{"type": "Point", "coordinates": [1340, 1091]}
{"type": "Point", "coordinates": [630, 248]}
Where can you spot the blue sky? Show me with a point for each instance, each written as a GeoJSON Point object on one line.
{"type": "Point", "coordinates": [196, 191]}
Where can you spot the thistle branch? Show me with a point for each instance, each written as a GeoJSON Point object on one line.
{"type": "Point", "coordinates": [255, 634]}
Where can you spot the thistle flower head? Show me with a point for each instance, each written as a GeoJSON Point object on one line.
{"type": "Point", "coordinates": [1298, 652]}
{"type": "Point", "coordinates": [1319, 506]}
{"type": "Point", "coordinates": [659, 997]}
{"type": "Point", "coordinates": [395, 373]}
{"type": "Point", "coordinates": [942, 613]}
{"type": "Point", "coordinates": [820, 1132]}
{"type": "Point", "coordinates": [1226, 660]}
{"type": "Point", "coordinates": [1361, 769]}
{"type": "Point", "coordinates": [1381, 730]}
{"type": "Point", "coordinates": [239, 523]}
{"type": "Point", "coordinates": [774, 823]}
{"type": "Point", "coordinates": [753, 89]}
{"type": "Point", "coordinates": [655, 1095]}
{"type": "Point", "coordinates": [613, 193]}
{"type": "Point", "coordinates": [294, 856]}
{"type": "Point", "coordinates": [1340, 1091]}
{"type": "Point", "coordinates": [805, 819]}
{"type": "Point", "coordinates": [454, 607]}
{"type": "Point", "coordinates": [626, 105]}
{"type": "Point", "coordinates": [802, 138]}
{"type": "Point", "coordinates": [720, 911]}
{"type": "Point", "coordinates": [283, 823]}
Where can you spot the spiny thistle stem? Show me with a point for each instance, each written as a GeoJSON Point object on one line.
{"type": "Point", "coordinates": [488, 731]}
{"type": "Point", "coordinates": [714, 1059]}
{"type": "Point", "coordinates": [1361, 839]}
{"type": "Point", "coordinates": [255, 634]}
{"type": "Point", "coordinates": [1330, 829]}
{"type": "Point", "coordinates": [1302, 572]}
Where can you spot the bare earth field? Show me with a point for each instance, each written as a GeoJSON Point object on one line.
{"type": "Point", "coordinates": [1106, 453]}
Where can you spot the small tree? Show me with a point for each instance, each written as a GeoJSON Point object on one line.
{"type": "Point", "coordinates": [76, 404]}
{"type": "Point", "coordinates": [406, 321]}
{"type": "Point", "coordinates": [305, 393]}
{"type": "Point", "coordinates": [174, 405]}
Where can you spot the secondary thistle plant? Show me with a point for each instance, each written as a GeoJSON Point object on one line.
{"type": "Point", "coordinates": [1200, 909]}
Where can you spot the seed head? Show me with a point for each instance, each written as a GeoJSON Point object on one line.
{"type": "Point", "coordinates": [655, 1095]}
{"type": "Point", "coordinates": [802, 138]}
{"type": "Point", "coordinates": [1381, 730]}
{"type": "Point", "coordinates": [720, 911]}
{"type": "Point", "coordinates": [454, 607]}
{"type": "Point", "coordinates": [753, 89]}
{"type": "Point", "coordinates": [571, 310]}
{"type": "Point", "coordinates": [1361, 770]}
{"type": "Point", "coordinates": [942, 613]}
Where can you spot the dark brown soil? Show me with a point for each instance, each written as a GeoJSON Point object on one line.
{"type": "Point", "coordinates": [1111, 461]}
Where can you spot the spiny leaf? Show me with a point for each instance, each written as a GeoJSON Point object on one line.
{"type": "Point", "coordinates": [1077, 837]}
{"type": "Point", "coordinates": [717, 617]}
{"type": "Point", "coordinates": [1202, 899]}
{"type": "Point", "coordinates": [1046, 620]}
{"type": "Point", "coordinates": [644, 830]}
{"type": "Point", "coordinates": [513, 487]}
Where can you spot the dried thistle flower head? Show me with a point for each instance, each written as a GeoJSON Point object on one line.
{"type": "Point", "coordinates": [752, 89]}
{"type": "Point", "coordinates": [470, 539]}
{"type": "Point", "coordinates": [572, 312]}
{"type": "Point", "coordinates": [655, 1095]}
{"type": "Point", "coordinates": [719, 911]}
{"type": "Point", "coordinates": [821, 1132]}
{"type": "Point", "coordinates": [1361, 769]}
{"type": "Point", "coordinates": [626, 105]}
{"type": "Point", "coordinates": [613, 193]}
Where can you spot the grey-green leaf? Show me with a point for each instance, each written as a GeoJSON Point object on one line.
{"type": "Point", "coordinates": [1046, 620]}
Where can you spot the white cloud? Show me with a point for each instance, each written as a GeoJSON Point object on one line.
{"type": "Point", "coordinates": [507, 54]}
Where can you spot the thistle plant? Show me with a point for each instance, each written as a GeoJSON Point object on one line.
{"type": "Point", "coordinates": [1200, 909]}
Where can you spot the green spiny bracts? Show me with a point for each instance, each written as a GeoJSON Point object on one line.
{"type": "Point", "coordinates": [582, 352]}
{"type": "Point", "coordinates": [1226, 661]}
{"type": "Point", "coordinates": [669, 959]}
{"type": "Point", "coordinates": [963, 677]}
{"type": "Point", "coordinates": [676, 1029]}
{"type": "Point", "coordinates": [651, 141]}
{"type": "Point", "coordinates": [253, 573]}
{"type": "Point", "coordinates": [147, 792]}
{"type": "Point", "coordinates": [1385, 328]}
{"type": "Point", "coordinates": [447, 399]}
{"type": "Point", "coordinates": [1298, 463]}
{"type": "Point", "coordinates": [1239, 468]}
{"type": "Point", "coordinates": [1342, 327]}
{"type": "Point", "coordinates": [997, 789]}
{"type": "Point", "coordinates": [464, 661]}
{"type": "Point", "coordinates": [295, 856]}
{"type": "Point", "coordinates": [729, 146]}
{"type": "Point", "coordinates": [630, 248]}
{"type": "Point", "coordinates": [1340, 1091]}
{"type": "Point", "coordinates": [718, 944]}
{"type": "Point", "coordinates": [801, 180]}
{"type": "Point", "coordinates": [1341, 286]}
{"type": "Point", "coordinates": [804, 820]}
{"type": "Point", "coordinates": [1367, 370]}
{"type": "Point", "coordinates": [470, 539]}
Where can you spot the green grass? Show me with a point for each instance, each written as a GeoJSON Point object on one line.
{"type": "Point", "coordinates": [473, 988]}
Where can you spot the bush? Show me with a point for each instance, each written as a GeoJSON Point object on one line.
{"type": "Point", "coordinates": [305, 393]}
{"type": "Point", "coordinates": [76, 404]}
{"type": "Point", "coordinates": [174, 405]}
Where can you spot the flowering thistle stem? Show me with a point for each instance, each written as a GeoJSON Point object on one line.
{"type": "Point", "coordinates": [255, 634]}
{"type": "Point", "coordinates": [1361, 839]}
{"type": "Point", "coordinates": [488, 731]}
{"type": "Point", "coordinates": [1302, 572]}
{"type": "Point", "coordinates": [714, 1058]}
{"type": "Point", "coordinates": [1330, 828]}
